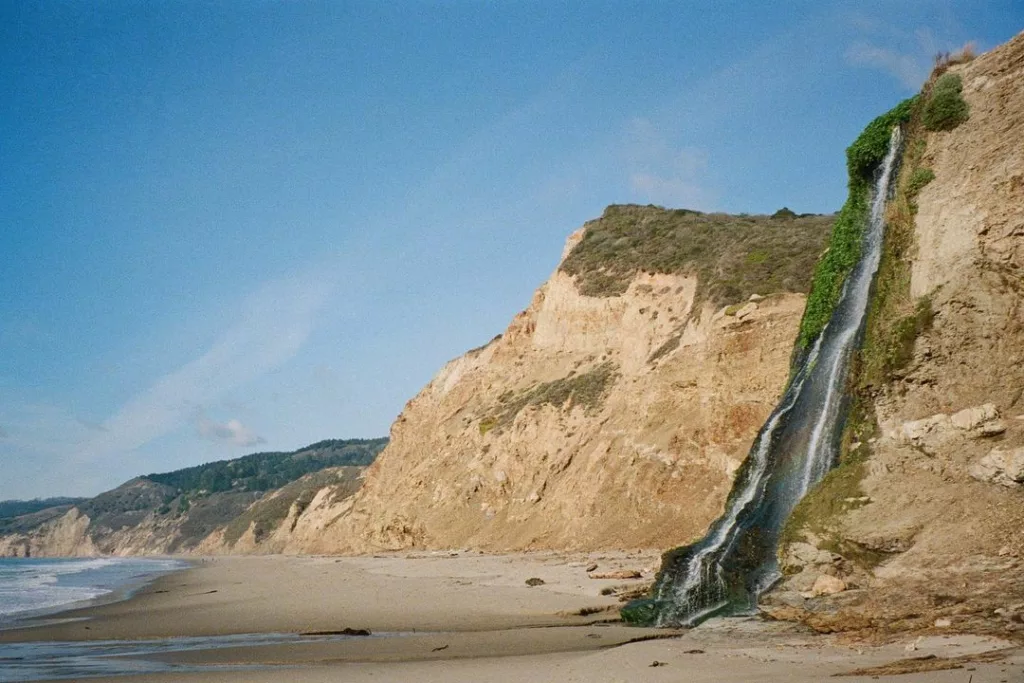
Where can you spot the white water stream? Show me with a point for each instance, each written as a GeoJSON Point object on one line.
{"type": "Point", "coordinates": [735, 562]}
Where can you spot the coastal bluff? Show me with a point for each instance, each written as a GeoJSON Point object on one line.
{"type": "Point", "coordinates": [612, 413]}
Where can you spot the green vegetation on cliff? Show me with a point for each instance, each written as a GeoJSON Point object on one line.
{"type": "Point", "coordinates": [940, 106]}
{"type": "Point", "coordinates": [946, 108]}
{"type": "Point", "coordinates": [732, 256]}
{"type": "Point", "coordinates": [862, 159]}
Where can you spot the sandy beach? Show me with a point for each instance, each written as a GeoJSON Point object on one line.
{"type": "Point", "coordinates": [471, 617]}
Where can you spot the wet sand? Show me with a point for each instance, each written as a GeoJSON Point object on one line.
{"type": "Point", "coordinates": [473, 618]}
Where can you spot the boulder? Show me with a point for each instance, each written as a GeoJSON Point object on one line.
{"type": "Point", "coordinates": [799, 555]}
{"type": "Point", "coordinates": [827, 585]}
{"type": "Point", "coordinates": [918, 430]}
{"type": "Point", "coordinates": [972, 418]}
{"type": "Point", "coordinates": [993, 428]}
{"type": "Point", "coordinates": [746, 310]}
{"type": "Point", "coordinates": [1000, 466]}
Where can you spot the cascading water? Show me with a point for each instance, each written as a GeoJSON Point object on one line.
{"type": "Point", "coordinates": [726, 571]}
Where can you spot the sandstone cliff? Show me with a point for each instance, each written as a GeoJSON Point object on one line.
{"type": "Point", "coordinates": [612, 419]}
{"type": "Point", "coordinates": [932, 518]}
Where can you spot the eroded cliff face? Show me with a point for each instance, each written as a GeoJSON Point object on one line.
{"type": "Point", "coordinates": [268, 525]}
{"type": "Point", "coordinates": [592, 422]}
{"type": "Point", "coordinates": [935, 532]}
{"type": "Point", "coordinates": [65, 536]}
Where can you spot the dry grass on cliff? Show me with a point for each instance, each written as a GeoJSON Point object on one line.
{"type": "Point", "coordinates": [732, 256]}
{"type": "Point", "coordinates": [587, 390]}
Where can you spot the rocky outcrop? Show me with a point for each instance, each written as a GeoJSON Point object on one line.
{"type": "Point", "coordinates": [935, 532]}
{"type": "Point", "coordinates": [613, 421]}
{"type": "Point", "coordinates": [1001, 466]}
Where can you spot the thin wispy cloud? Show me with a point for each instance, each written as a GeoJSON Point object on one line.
{"type": "Point", "coordinates": [42, 429]}
{"type": "Point", "coordinates": [661, 172]}
{"type": "Point", "coordinates": [232, 432]}
{"type": "Point", "coordinates": [271, 327]}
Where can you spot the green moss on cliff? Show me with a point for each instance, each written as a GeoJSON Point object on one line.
{"type": "Point", "coordinates": [870, 147]}
{"type": "Point", "coordinates": [831, 271]}
{"type": "Point", "coordinates": [946, 108]}
{"type": "Point", "coordinates": [732, 256]}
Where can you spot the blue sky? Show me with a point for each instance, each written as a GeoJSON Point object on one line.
{"type": "Point", "coordinates": [242, 226]}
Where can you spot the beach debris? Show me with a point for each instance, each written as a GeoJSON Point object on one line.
{"type": "Point", "coordinates": [591, 567]}
{"type": "Point", "coordinates": [341, 632]}
{"type": "Point", "coordinates": [657, 663]}
{"type": "Point", "coordinates": [534, 581]}
{"type": "Point", "coordinates": [928, 663]}
{"type": "Point", "coordinates": [587, 611]}
{"type": "Point", "coordinates": [619, 574]}
{"type": "Point", "coordinates": [693, 652]}
{"type": "Point", "coordinates": [442, 647]}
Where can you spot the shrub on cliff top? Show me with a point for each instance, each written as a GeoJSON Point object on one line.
{"type": "Point", "coordinates": [732, 256]}
{"type": "Point", "coordinates": [946, 108]}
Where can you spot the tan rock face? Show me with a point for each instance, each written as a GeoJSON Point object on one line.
{"type": "Point", "coordinates": [592, 422]}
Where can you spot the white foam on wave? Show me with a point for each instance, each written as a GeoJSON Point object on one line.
{"type": "Point", "coordinates": [36, 585]}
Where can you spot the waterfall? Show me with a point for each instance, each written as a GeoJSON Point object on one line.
{"type": "Point", "coordinates": [726, 571]}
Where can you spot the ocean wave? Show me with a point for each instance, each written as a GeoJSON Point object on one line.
{"type": "Point", "coordinates": [41, 585]}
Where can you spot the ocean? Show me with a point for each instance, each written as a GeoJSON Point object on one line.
{"type": "Point", "coordinates": [33, 587]}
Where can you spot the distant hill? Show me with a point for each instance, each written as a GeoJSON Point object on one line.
{"type": "Point", "coordinates": [16, 508]}
{"type": "Point", "coordinates": [266, 471]}
{"type": "Point", "coordinates": [172, 512]}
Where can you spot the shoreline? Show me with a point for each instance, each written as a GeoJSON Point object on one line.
{"type": "Point", "coordinates": [225, 595]}
{"type": "Point", "coordinates": [57, 613]}
{"type": "Point", "coordinates": [456, 617]}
